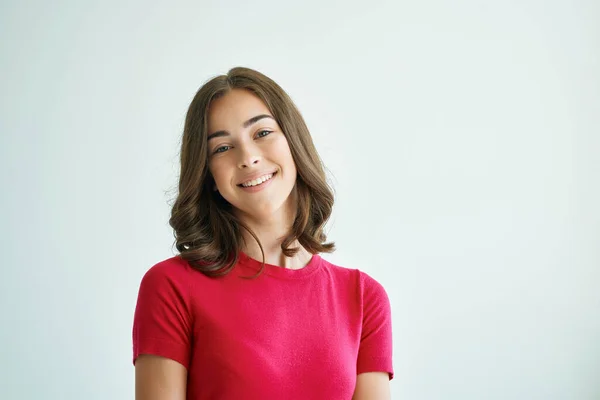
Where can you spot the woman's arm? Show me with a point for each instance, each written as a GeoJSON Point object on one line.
{"type": "Point", "coordinates": [372, 386]}
{"type": "Point", "coordinates": [159, 378]}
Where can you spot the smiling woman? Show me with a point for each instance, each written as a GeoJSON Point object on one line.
{"type": "Point", "coordinates": [214, 321]}
{"type": "Point", "coordinates": [247, 151]}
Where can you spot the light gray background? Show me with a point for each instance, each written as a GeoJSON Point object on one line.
{"type": "Point", "coordinates": [463, 140]}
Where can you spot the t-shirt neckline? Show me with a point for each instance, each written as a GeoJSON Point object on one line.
{"type": "Point", "coordinates": [280, 272]}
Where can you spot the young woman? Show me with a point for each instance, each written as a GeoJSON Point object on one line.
{"type": "Point", "coordinates": [214, 322]}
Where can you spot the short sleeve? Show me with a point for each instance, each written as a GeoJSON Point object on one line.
{"type": "Point", "coordinates": [375, 351]}
{"type": "Point", "coordinates": [162, 323]}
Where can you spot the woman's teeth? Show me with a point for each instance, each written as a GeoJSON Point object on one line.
{"type": "Point", "coordinates": [258, 181]}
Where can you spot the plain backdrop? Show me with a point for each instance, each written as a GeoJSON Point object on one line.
{"type": "Point", "coordinates": [462, 140]}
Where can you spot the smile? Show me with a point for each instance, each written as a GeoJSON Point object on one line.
{"type": "Point", "coordinates": [258, 181]}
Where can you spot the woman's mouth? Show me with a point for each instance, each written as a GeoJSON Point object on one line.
{"type": "Point", "coordinates": [258, 181]}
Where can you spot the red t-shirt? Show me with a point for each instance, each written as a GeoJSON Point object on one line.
{"type": "Point", "coordinates": [289, 334]}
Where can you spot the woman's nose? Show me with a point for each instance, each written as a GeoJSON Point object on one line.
{"type": "Point", "coordinates": [250, 161]}
{"type": "Point", "coordinates": [249, 157]}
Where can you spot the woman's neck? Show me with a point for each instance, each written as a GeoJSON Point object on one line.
{"type": "Point", "coordinates": [273, 252]}
{"type": "Point", "coordinates": [271, 231]}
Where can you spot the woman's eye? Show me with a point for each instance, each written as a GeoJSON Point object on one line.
{"type": "Point", "coordinates": [221, 149]}
{"type": "Point", "coordinates": [262, 133]}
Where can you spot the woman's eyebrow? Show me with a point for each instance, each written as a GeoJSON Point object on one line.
{"type": "Point", "coordinates": [246, 124]}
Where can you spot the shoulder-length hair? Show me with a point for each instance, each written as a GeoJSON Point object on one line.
{"type": "Point", "coordinates": [207, 233]}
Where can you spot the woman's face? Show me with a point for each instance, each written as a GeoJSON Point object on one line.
{"type": "Point", "coordinates": [248, 155]}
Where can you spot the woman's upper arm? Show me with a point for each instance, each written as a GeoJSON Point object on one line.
{"type": "Point", "coordinates": [159, 378]}
{"type": "Point", "coordinates": [372, 386]}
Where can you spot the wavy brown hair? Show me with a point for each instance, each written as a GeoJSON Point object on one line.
{"type": "Point", "coordinates": [207, 233]}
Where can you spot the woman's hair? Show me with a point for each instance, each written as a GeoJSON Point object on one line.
{"type": "Point", "coordinates": [207, 232]}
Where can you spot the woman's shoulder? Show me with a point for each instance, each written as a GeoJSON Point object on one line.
{"type": "Point", "coordinates": [170, 267]}
{"type": "Point", "coordinates": [339, 270]}
{"type": "Point", "coordinates": [172, 272]}
{"type": "Point", "coordinates": [358, 275]}
{"type": "Point", "coordinates": [177, 269]}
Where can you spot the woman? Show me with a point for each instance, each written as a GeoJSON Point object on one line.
{"type": "Point", "coordinates": [216, 323]}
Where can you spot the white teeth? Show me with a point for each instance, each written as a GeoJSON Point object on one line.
{"type": "Point", "coordinates": [258, 181]}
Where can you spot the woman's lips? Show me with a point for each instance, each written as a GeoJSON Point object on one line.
{"type": "Point", "coordinates": [259, 187]}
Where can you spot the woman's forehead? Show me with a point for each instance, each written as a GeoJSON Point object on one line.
{"type": "Point", "coordinates": [233, 109]}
